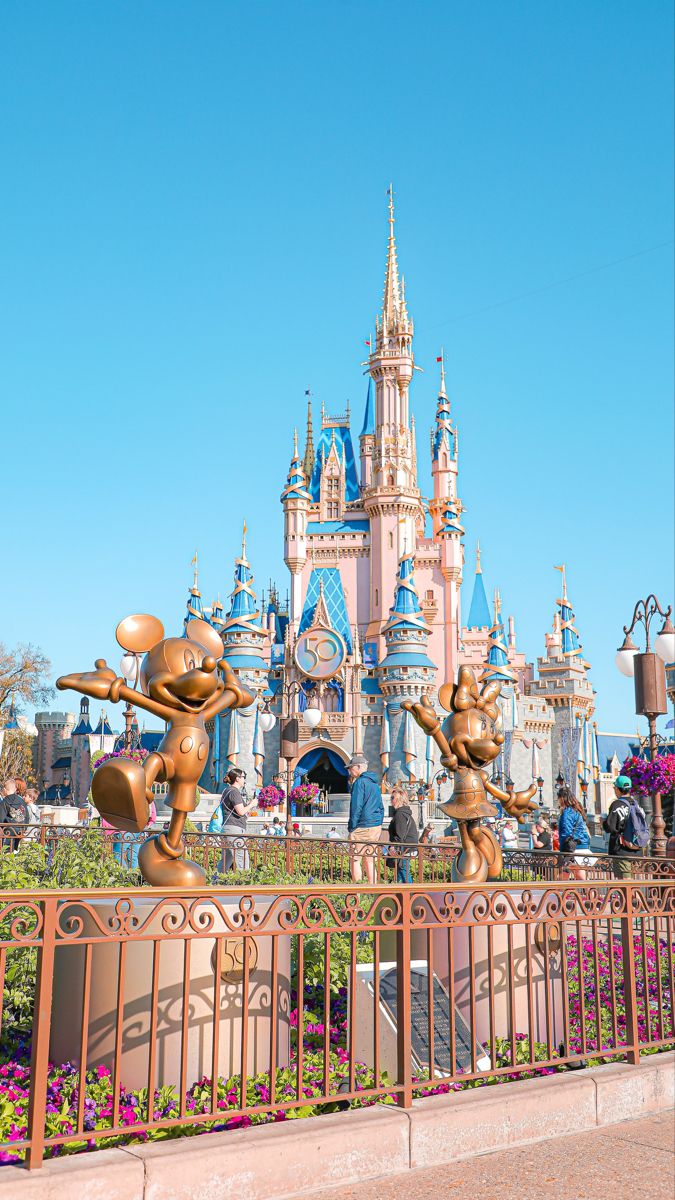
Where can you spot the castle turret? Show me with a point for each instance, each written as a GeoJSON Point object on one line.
{"type": "Point", "coordinates": [564, 683]}
{"type": "Point", "coordinates": [497, 666]}
{"type": "Point", "coordinates": [80, 765]}
{"type": "Point", "coordinates": [479, 611]}
{"type": "Point", "coordinates": [392, 498]}
{"type": "Point", "coordinates": [443, 459]}
{"type": "Point", "coordinates": [245, 644]}
{"type": "Point", "coordinates": [195, 608]}
{"type": "Point", "coordinates": [296, 501]}
{"type": "Point", "coordinates": [406, 672]}
{"type": "Point", "coordinates": [217, 619]}
{"type": "Point", "coordinates": [308, 460]}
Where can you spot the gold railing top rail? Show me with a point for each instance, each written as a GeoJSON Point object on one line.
{"type": "Point", "coordinates": [320, 889]}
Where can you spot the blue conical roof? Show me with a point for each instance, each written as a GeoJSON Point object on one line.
{"type": "Point", "coordinates": [369, 414]}
{"type": "Point", "coordinates": [571, 642]}
{"type": "Point", "coordinates": [450, 522]}
{"type": "Point", "coordinates": [406, 631]}
{"type": "Point", "coordinates": [497, 666]}
{"type": "Point", "coordinates": [479, 612]}
{"type": "Point", "coordinates": [296, 481]}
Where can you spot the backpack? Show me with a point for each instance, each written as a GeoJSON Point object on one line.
{"type": "Point", "coordinates": [17, 811]}
{"type": "Point", "coordinates": [218, 819]}
{"type": "Point", "coordinates": [635, 833]}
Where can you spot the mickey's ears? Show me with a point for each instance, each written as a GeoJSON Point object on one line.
{"type": "Point", "coordinates": [139, 633]}
{"type": "Point", "coordinates": [205, 635]}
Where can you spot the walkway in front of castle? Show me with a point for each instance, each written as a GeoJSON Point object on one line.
{"type": "Point", "coordinates": [618, 1162]}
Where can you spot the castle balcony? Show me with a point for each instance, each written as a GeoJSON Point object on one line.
{"type": "Point", "coordinates": [334, 724]}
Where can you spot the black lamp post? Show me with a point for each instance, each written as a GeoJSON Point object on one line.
{"type": "Point", "coordinates": [649, 673]}
{"type": "Point", "coordinates": [540, 784]}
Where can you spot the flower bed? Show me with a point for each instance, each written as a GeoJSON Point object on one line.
{"type": "Point", "coordinates": [652, 962]}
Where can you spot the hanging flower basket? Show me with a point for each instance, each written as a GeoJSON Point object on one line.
{"type": "Point", "coordinates": [649, 777]}
{"type": "Point", "coordinates": [304, 793]}
{"type": "Point", "coordinates": [270, 797]}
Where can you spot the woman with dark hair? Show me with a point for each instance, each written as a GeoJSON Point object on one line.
{"type": "Point", "coordinates": [234, 809]}
{"type": "Point", "coordinates": [573, 833]}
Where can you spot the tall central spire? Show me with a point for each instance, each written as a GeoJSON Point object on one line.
{"type": "Point", "coordinates": [391, 305]}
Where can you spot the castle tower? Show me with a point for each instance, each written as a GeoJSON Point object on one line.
{"type": "Point", "coordinates": [392, 498]}
{"type": "Point", "coordinates": [445, 509]}
{"type": "Point", "coordinates": [80, 764]}
{"type": "Point", "coordinates": [497, 667]}
{"type": "Point", "coordinates": [443, 458]}
{"type": "Point", "coordinates": [564, 683]}
{"type": "Point", "coordinates": [216, 618]}
{"type": "Point", "coordinates": [308, 460]}
{"type": "Point", "coordinates": [54, 736]}
{"type": "Point", "coordinates": [406, 672]}
{"type": "Point", "coordinates": [296, 501]}
{"type": "Point", "coordinates": [195, 608]}
{"type": "Point", "coordinates": [237, 740]}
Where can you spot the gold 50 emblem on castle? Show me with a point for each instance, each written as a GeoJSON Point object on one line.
{"type": "Point", "coordinates": [320, 653]}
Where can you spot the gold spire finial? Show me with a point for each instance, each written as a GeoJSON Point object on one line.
{"type": "Point", "coordinates": [391, 307]}
{"type": "Point", "coordinates": [478, 566]}
{"type": "Point", "coordinates": [243, 541]}
{"type": "Point", "coordinates": [308, 460]}
{"type": "Point", "coordinates": [195, 565]}
{"type": "Point", "coordinates": [442, 391]}
{"type": "Point", "coordinates": [295, 443]}
{"type": "Point", "coordinates": [563, 570]}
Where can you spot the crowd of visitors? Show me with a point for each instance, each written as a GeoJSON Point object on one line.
{"type": "Point", "coordinates": [625, 824]}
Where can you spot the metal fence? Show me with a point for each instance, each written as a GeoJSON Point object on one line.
{"type": "Point", "coordinates": [128, 1012]}
{"type": "Point", "coordinates": [331, 860]}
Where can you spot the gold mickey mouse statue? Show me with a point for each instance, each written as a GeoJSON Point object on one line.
{"type": "Point", "coordinates": [470, 738]}
{"type": "Point", "coordinates": [180, 682]}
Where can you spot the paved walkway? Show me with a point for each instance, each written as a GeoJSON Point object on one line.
{"type": "Point", "coordinates": [620, 1162]}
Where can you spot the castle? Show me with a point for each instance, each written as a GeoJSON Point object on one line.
{"type": "Point", "coordinates": [374, 618]}
{"type": "Point", "coordinates": [374, 613]}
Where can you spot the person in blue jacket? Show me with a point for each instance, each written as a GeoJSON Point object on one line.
{"type": "Point", "coordinates": [366, 814]}
{"type": "Point", "coordinates": [573, 834]}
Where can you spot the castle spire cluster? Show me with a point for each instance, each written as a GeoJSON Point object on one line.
{"type": "Point", "coordinates": [376, 572]}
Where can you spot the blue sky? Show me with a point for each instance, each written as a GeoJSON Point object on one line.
{"type": "Point", "coordinates": [193, 219]}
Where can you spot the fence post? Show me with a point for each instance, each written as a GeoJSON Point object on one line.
{"type": "Point", "coordinates": [42, 1022]}
{"type": "Point", "coordinates": [289, 868]}
{"type": "Point", "coordinates": [403, 1004]}
{"type": "Point", "coordinates": [629, 980]}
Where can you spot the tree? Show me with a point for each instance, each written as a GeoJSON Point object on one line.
{"type": "Point", "coordinates": [24, 674]}
{"type": "Point", "coordinates": [16, 761]}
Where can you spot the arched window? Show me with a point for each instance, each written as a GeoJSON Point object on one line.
{"type": "Point", "coordinates": [391, 540]}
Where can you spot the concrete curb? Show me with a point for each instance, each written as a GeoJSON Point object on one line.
{"type": "Point", "coordinates": [279, 1161]}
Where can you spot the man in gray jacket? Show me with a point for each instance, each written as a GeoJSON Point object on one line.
{"type": "Point", "coordinates": [366, 814]}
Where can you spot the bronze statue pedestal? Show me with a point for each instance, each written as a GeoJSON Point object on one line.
{"type": "Point", "coordinates": [146, 1019]}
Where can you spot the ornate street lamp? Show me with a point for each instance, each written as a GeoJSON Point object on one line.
{"type": "Point", "coordinates": [559, 780]}
{"type": "Point", "coordinates": [649, 673]}
{"type": "Point", "coordinates": [540, 784]}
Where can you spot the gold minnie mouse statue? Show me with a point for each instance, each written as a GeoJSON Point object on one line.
{"type": "Point", "coordinates": [469, 739]}
{"type": "Point", "coordinates": [180, 683]}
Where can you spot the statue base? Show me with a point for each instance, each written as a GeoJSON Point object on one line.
{"type": "Point", "coordinates": [141, 1006]}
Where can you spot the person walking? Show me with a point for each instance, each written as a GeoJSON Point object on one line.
{"type": "Point", "coordinates": [366, 815]}
{"type": "Point", "coordinates": [234, 811]}
{"type": "Point", "coordinates": [402, 833]}
{"type": "Point", "coordinates": [575, 839]}
{"type": "Point", "coordinates": [618, 824]}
